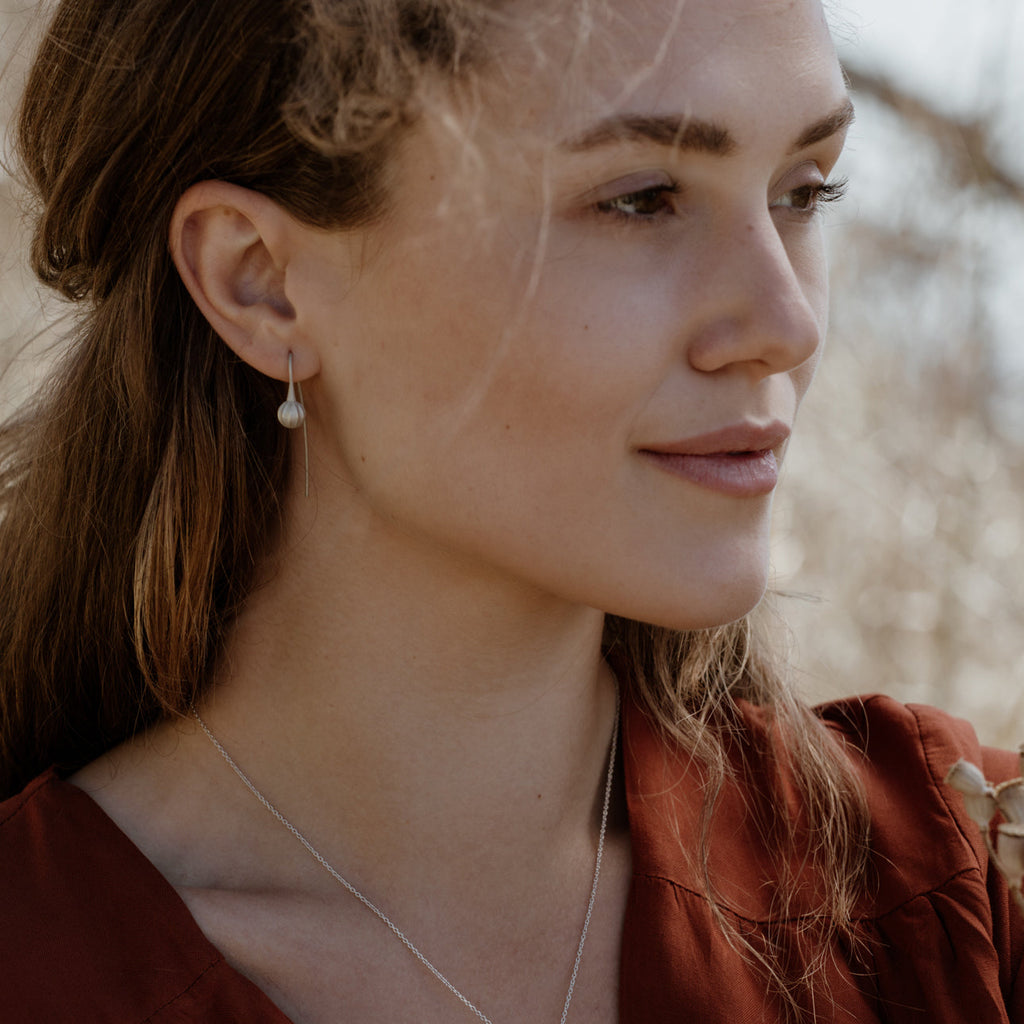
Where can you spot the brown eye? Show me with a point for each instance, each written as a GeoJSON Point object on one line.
{"type": "Point", "coordinates": [810, 198]}
{"type": "Point", "coordinates": [644, 204]}
{"type": "Point", "coordinates": [803, 198]}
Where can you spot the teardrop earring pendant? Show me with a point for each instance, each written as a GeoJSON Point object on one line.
{"type": "Point", "coordinates": [291, 413]}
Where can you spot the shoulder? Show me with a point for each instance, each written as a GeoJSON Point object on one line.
{"type": "Point", "coordinates": [90, 925]}
{"type": "Point", "coordinates": [940, 932]}
{"type": "Point", "coordinates": [935, 898]}
{"type": "Point", "coordinates": [59, 850]}
{"type": "Point", "coordinates": [902, 753]}
{"type": "Point", "coordinates": [888, 733]}
{"type": "Point", "coordinates": [920, 832]}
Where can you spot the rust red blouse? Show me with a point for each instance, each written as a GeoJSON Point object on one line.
{"type": "Point", "coordinates": [90, 931]}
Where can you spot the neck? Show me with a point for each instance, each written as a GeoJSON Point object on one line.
{"type": "Point", "coordinates": [414, 722]}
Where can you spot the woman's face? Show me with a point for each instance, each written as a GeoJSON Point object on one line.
{"type": "Point", "coordinates": [571, 355]}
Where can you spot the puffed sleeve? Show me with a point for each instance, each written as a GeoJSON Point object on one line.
{"type": "Point", "coordinates": [947, 937]}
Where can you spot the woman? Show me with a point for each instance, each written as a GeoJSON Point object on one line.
{"type": "Point", "coordinates": [446, 702]}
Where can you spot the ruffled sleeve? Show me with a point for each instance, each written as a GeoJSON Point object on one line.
{"type": "Point", "coordinates": [942, 942]}
{"type": "Point", "coordinates": [947, 939]}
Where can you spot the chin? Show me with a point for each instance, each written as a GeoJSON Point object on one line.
{"type": "Point", "coordinates": [701, 601]}
{"type": "Point", "coordinates": [717, 613]}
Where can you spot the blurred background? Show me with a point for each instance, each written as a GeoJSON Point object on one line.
{"type": "Point", "coordinates": [899, 546]}
{"type": "Point", "coordinates": [901, 517]}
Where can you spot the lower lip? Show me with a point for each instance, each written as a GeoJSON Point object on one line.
{"type": "Point", "coordinates": [743, 475]}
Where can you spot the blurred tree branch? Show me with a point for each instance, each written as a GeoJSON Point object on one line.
{"type": "Point", "coordinates": [968, 143]}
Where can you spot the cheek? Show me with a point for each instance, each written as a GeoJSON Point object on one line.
{"type": "Point", "coordinates": [481, 347]}
{"type": "Point", "coordinates": [811, 268]}
{"type": "Point", "coordinates": [456, 385]}
{"type": "Point", "coordinates": [504, 432]}
{"type": "Point", "coordinates": [803, 377]}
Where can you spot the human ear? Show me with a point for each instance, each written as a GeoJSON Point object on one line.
{"type": "Point", "coordinates": [232, 247]}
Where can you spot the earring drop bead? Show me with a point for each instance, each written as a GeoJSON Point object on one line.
{"type": "Point", "coordinates": [291, 414]}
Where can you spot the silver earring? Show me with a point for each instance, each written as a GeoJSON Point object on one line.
{"type": "Point", "coordinates": [291, 413]}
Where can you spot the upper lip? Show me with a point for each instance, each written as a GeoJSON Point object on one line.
{"type": "Point", "coordinates": [740, 437]}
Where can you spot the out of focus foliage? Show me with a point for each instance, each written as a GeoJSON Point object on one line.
{"type": "Point", "coordinates": [902, 515]}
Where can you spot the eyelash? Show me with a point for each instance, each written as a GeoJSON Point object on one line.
{"type": "Point", "coordinates": [820, 195]}
{"type": "Point", "coordinates": [816, 196]}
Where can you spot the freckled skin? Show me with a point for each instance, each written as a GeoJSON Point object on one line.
{"type": "Point", "coordinates": [506, 350]}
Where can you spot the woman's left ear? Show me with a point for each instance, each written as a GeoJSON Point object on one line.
{"type": "Point", "coordinates": [232, 247]}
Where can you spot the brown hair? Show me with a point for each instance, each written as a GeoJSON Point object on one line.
{"type": "Point", "coordinates": [157, 439]}
{"type": "Point", "coordinates": [140, 491]}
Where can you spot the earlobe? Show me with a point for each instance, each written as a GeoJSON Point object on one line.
{"type": "Point", "coordinates": [231, 248]}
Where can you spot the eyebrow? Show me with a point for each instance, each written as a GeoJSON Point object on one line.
{"type": "Point", "coordinates": [693, 135]}
{"type": "Point", "coordinates": [840, 119]}
{"type": "Point", "coordinates": [668, 130]}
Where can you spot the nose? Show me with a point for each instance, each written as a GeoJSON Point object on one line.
{"type": "Point", "coordinates": [764, 299]}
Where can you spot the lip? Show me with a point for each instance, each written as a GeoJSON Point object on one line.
{"type": "Point", "coordinates": [739, 460]}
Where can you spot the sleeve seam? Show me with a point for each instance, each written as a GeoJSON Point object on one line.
{"type": "Point", "coordinates": [188, 988]}
{"type": "Point", "coordinates": [941, 887]}
{"type": "Point", "coordinates": [942, 790]}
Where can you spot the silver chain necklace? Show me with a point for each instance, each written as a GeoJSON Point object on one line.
{"type": "Point", "coordinates": [399, 934]}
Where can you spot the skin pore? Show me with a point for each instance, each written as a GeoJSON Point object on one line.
{"type": "Point", "coordinates": [575, 273]}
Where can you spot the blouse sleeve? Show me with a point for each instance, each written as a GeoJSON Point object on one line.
{"type": "Point", "coordinates": [948, 929]}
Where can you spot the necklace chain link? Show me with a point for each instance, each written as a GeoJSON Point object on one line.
{"type": "Point", "coordinates": [399, 934]}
